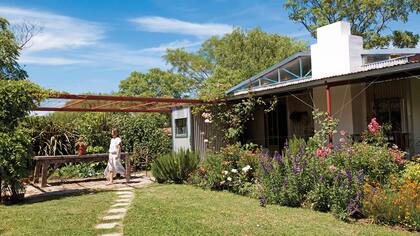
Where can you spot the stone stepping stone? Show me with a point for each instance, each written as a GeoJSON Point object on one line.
{"type": "Point", "coordinates": [112, 234]}
{"type": "Point", "coordinates": [126, 196]}
{"type": "Point", "coordinates": [121, 204]}
{"type": "Point", "coordinates": [124, 193]}
{"type": "Point", "coordinates": [117, 210]}
{"type": "Point", "coordinates": [106, 225]}
{"type": "Point", "coordinates": [125, 200]}
{"type": "Point", "coordinates": [114, 217]}
{"type": "Point", "coordinates": [125, 189]}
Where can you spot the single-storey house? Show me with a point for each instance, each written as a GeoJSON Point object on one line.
{"type": "Point", "coordinates": [337, 76]}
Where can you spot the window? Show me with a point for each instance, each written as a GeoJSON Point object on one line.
{"type": "Point", "coordinates": [181, 127]}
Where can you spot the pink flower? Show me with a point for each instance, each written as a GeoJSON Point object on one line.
{"type": "Point", "coordinates": [320, 152]}
{"type": "Point", "coordinates": [373, 126]}
{"type": "Point", "coordinates": [343, 133]}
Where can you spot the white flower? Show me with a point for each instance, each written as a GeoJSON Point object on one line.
{"type": "Point", "coordinates": [223, 182]}
{"type": "Point", "coordinates": [229, 179]}
{"type": "Point", "coordinates": [206, 140]}
{"type": "Point", "coordinates": [246, 168]}
{"type": "Point", "coordinates": [207, 121]}
{"type": "Point", "coordinates": [225, 172]}
{"type": "Point", "coordinates": [206, 115]}
{"type": "Point", "coordinates": [234, 171]}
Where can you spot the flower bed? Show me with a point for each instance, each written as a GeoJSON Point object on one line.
{"type": "Point", "coordinates": [350, 179]}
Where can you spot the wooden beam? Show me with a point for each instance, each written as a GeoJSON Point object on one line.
{"type": "Point", "coordinates": [100, 109]}
{"type": "Point", "coordinates": [126, 98]}
{"type": "Point", "coordinates": [106, 104]}
{"type": "Point", "coordinates": [74, 103]}
{"type": "Point", "coordinates": [138, 105]}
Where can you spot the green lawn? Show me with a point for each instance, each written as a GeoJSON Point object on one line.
{"type": "Point", "coordinates": [68, 215]}
{"type": "Point", "coordinates": [186, 210]}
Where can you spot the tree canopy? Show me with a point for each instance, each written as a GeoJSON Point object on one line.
{"type": "Point", "coordinates": [9, 54]}
{"type": "Point", "coordinates": [368, 18]}
{"type": "Point", "coordinates": [156, 83]}
{"type": "Point", "coordinates": [221, 63]}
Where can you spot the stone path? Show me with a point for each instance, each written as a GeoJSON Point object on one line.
{"type": "Point", "coordinates": [113, 221]}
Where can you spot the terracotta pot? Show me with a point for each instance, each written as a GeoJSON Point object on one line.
{"type": "Point", "coordinates": [81, 149]}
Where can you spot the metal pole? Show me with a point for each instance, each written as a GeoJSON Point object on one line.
{"type": "Point", "coordinates": [328, 95]}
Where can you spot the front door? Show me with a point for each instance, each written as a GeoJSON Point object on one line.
{"type": "Point", "coordinates": [276, 127]}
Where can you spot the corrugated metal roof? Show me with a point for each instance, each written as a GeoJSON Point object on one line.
{"type": "Point", "coordinates": [358, 74]}
{"type": "Point", "coordinates": [391, 51]}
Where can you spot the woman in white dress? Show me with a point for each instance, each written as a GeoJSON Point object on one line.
{"type": "Point", "coordinates": [114, 165]}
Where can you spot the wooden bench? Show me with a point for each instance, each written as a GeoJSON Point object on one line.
{"type": "Point", "coordinates": [43, 162]}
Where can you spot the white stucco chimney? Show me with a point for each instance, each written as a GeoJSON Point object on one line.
{"type": "Point", "coordinates": [337, 51]}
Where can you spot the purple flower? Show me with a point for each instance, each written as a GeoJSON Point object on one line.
{"type": "Point", "coordinates": [321, 178]}
{"type": "Point", "coordinates": [349, 176]}
{"type": "Point", "coordinates": [265, 162]}
{"type": "Point", "coordinates": [278, 158]}
{"type": "Point", "coordinates": [295, 169]}
{"type": "Point", "coordinates": [360, 176]}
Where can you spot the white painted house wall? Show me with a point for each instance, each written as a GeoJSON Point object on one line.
{"type": "Point", "coordinates": [181, 142]}
{"type": "Point", "coordinates": [338, 52]}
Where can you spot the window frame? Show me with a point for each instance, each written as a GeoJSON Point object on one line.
{"type": "Point", "coordinates": [182, 135]}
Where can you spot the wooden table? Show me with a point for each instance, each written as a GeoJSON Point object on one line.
{"type": "Point", "coordinates": [43, 162]}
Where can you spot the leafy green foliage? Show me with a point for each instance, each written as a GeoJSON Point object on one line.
{"type": "Point", "coordinates": [9, 54]}
{"type": "Point", "coordinates": [234, 168]}
{"type": "Point", "coordinates": [52, 137]}
{"type": "Point", "coordinates": [81, 170]}
{"type": "Point", "coordinates": [368, 19]}
{"type": "Point", "coordinates": [404, 39]}
{"type": "Point", "coordinates": [17, 98]}
{"type": "Point", "coordinates": [156, 83]}
{"type": "Point", "coordinates": [176, 167]}
{"type": "Point", "coordinates": [412, 170]}
{"type": "Point", "coordinates": [223, 62]}
{"type": "Point", "coordinates": [231, 118]}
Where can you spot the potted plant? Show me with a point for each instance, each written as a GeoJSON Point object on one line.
{"type": "Point", "coordinates": [81, 147]}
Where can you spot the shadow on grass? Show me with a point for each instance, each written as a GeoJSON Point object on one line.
{"type": "Point", "coordinates": [56, 195]}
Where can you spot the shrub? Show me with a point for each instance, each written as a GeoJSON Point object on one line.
{"type": "Point", "coordinates": [176, 167]}
{"type": "Point", "coordinates": [412, 170]}
{"type": "Point", "coordinates": [286, 178]}
{"type": "Point", "coordinates": [234, 168]}
{"type": "Point", "coordinates": [17, 99]}
{"type": "Point", "coordinates": [398, 203]}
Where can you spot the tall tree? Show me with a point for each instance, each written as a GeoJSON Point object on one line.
{"type": "Point", "coordinates": [223, 62]}
{"type": "Point", "coordinates": [9, 54]}
{"type": "Point", "coordinates": [405, 39]}
{"type": "Point", "coordinates": [156, 83]}
{"type": "Point", "coordinates": [368, 18]}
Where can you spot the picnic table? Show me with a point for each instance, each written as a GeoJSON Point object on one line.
{"type": "Point", "coordinates": [42, 164]}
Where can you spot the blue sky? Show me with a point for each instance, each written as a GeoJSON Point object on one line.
{"type": "Point", "coordinates": [89, 46]}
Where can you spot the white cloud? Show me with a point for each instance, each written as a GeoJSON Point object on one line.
{"type": "Point", "coordinates": [53, 61]}
{"type": "Point", "coordinates": [67, 40]}
{"type": "Point", "coordinates": [58, 32]}
{"type": "Point", "coordinates": [170, 25]}
{"type": "Point", "coordinates": [171, 45]}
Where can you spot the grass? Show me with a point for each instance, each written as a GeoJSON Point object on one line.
{"type": "Point", "coordinates": [68, 215]}
{"type": "Point", "coordinates": [186, 210]}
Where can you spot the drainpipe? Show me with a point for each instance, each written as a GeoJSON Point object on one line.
{"type": "Point", "coordinates": [328, 95]}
